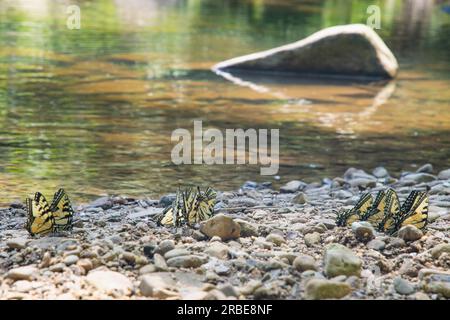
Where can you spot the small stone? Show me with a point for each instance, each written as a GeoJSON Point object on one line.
{"type": "Point", "coordinates": [293, 186]}
{"type": "Point", "coordinates": [380, 172]}
{"type": "Point", "coordinates": [444, 175]}
{"type": "Point", "coordinates": [376, 244]}
{"type": "Point", "coordinates": [110, 282]}
{"type": "Point", "coordinates": [363, 183]}
{"type": "Point", "coordinates": [70, 260]}
{"type": "Point", "coordinates": [176, 253]}
{"type": "Point", "coordinates": [157, 286]}
{"type": "Point", "coordinates": [247, 229]}
{"type": "Point", "coordinates": [397, 243]}
{"type": "Point", "coordinates": [403, 287]}
{"type": "Point", "coordinates": [165, 246]}
{"type": "Point", "coordinates": [149, 268]}
{"type": "Point", "coordinates": [59, 267]}
{"type": "Point", "coordinates": [189, 261]}
{"type": "Point", "coordinates": [426, 168]}
{"type": "Point", "coordinates": [275, 239]}
{"type": "Point", "coordinates": [17, 243]}
{"type": "Point", "coordinates": [222, 226]}
{"type": "Point", "coordinates": [23, 273]}
{"type": "Point", "coordinates": [410, 233]}
{"type": "Point", "coordinates": [229, 291]}
{"type": "Point", "coordinates": [440, 249]}
{"type": "Point", "coordinates": [300, 198]}
{"type": "Point", "coordinates": [312, 239]}
{"type": "Point", "coordinates": [363, 231]}
{"type": "Point", "coordinates": [339, 260]}
{"type": "Point", "coordinates": [317, 289]}
{"type": "Point", "coordinates": [129, 257]}
{"type": "Point", "coordinates": [217, 250]}
{"type": "Point", "coordinates": [86, 264]}
{"type": "Point", "coordinates": [305, 262]}
{"type": "Point", "coordinates": [418, 177]}
{"type": "Point", "coordinates": [159, 262]}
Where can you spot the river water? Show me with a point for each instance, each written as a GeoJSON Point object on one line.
{"type": "Point", "coordinates": [93, 109]}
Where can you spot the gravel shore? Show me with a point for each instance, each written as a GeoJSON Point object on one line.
{"type": "Point", "coordinates": [261, 244]}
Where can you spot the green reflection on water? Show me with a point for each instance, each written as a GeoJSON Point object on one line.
{"type": "Point", "coordinates": [93, 109]}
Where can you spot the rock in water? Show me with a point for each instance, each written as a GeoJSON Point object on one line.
{"type": "Point", "coordinates": [339, 260]}
{"type": "Point", "coordinates": [348, 50]}
{"type": "Point", "coordinates": [221, 226]}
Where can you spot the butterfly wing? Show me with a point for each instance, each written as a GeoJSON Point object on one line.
{"type": "Point", "coordinates": [391, 212]}
{"type": "Point", "coordinates": [62, 211]}
{"type": "Point", "coordinates": [347, 217]}
{"type": "Point", "coordinates": [40, 218]}
{"type": "Point", "coordinates": [376, 212]}
{"type": "Point", "coordinates": [173, 214]}
{"type": "Point", "coordinates": [418, 213]}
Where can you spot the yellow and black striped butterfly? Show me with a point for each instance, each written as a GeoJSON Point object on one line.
{"type": "Point", "coordinates": [62, 211]}
{"type": "Point", "coordinates": [40, 218]}
{"type": "Point", "coordinates": [199, 206]}
{"type": "Point", "coordinates": [391, 212]}
{"type": "Point", "coordinates": [347, 217]}
{"type": "Point", "coordinates": [173, 214]}
{"type": "Point", "coordinates": [414, 211]}
{"type": "Point", "coordinates": [376, 212]}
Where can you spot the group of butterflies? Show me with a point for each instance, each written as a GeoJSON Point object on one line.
{"type": "Point", "coordinates": [385, 212]}
{"type": "Point", "coordinates": [45, 218]}
{"type": "Point", "coordinates": [190, 206]}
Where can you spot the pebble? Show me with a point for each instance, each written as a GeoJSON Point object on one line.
{"type": "Point", "coordinates": [157, 286]}
{"type": "Point", "coordinates": [444, 175]}
{"type": "Point", "coordinates": [376, 244]}
{"type": "Point", "coordinates": [300, 198]}
{"type": "Point", "coordinates": [410, 233]}
{"type": "Point", "coordinates": [217, 250]}
{"type": "Point", "coordinates": [165, 246]}
{"type": "Point", "coordinates": [222, 226]}
{"type": "Point", "coordinates": [318, 289]}
{"type": "Point", "coordinates": [71, 259]}
{"type": "Point", "coordinates": [58, 267]}
{"type": "Point", "coordinates": [340, 260]}
{"type": "Point", "coordinates": [188, 261]}
{"type": "Point", "coordinates": [149, 268]}
{"type": "Point", "coordinates": [426, 168]}
{"type": "Point", "coordinates": [312, 239]}
{"type": "Point", "coordinates": [276, 239]}
{"type": "Point", "coordinates": [176, 253]}
{"type": "Point", "coordinates": [110, 282]}
{"type": "Point", "coordinates": [403, 287]}
{"type": "Point", "coordinates": [17, 243]}
{"type": "Point", "coordinates": [440, 249]}
{"type": "Point", "coordinates": [363, 231]}
{"type": "Point", "coordinates": [380, 172]}
{"type": "Point", "coordinates": [23, 273]}
{"type": "Point", "coordinates": [247, 229]}
{"type": "Point", "coordinates": [293, 186]}
{"type": "Point", "coordinates": [304, 263]}
{"type": "Point", "coordinates": [159, 262]}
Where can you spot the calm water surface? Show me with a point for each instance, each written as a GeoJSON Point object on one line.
{"type": "Point", "coordinates": [93, 109]}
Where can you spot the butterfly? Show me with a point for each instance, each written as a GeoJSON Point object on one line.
{"type": "Point", "coordinates": [62, 211]}
{"type": "Point", "coordinates": [376, 212]}
{"type": "Point", "coordinates": [391, 212]}
{"type": "Point", "coordinates": [414, 211]}
{"type": "Point", "coordinates": [190, 206]}
{"type": "Point", "coordinates": [173, 214]}
{"type": "Point", "coordinates": [40, 218]}
{"type": "Point", "coordinates": [347, 217]}
{"type": "Point", "coordinates": [199, 207]}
